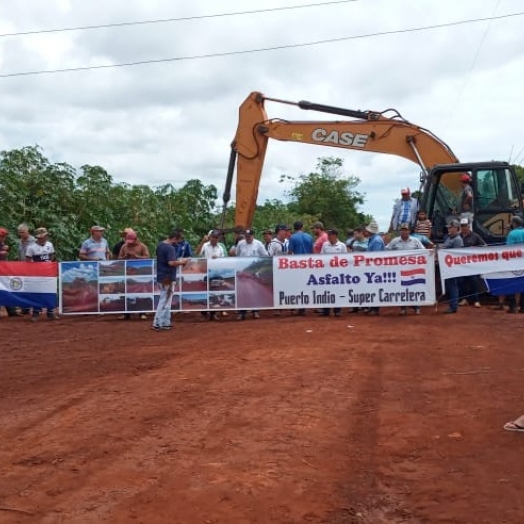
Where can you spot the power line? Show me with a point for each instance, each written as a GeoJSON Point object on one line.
{"type": "Point", "coordinates": [249, 51]}
{"type": "Point", "coordinates": [474, 62]}
{"type": "Point", "coordinates": [169, 20]}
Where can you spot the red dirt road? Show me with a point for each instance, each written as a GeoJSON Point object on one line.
{"type": "Point", "coordinates": [285, 420]}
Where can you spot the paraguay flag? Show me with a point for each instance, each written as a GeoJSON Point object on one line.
{"type": "Point", "coordinates": [29, 284]}
{"type": "Point", "coordinates": [410, 277]}
{"type": "Point", "coordinates": [504, 282]}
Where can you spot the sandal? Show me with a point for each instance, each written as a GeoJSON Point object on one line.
{"type": "Point", "coordinates": [513, 426]}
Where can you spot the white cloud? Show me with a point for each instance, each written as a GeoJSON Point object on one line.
{"type": "Point", "coordinates": [174, 121]}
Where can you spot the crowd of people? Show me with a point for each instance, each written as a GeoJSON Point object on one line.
{"type": "Point", "coordinates": [409, 229]}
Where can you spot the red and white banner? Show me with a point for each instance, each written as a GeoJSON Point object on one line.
{"type": "Point", "coordinates": [404, 278]}
{"type": "Point", "coordinates": [480, 260]}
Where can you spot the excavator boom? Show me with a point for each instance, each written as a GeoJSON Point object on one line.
{"type": "Point", "coordinates": [368, 131]}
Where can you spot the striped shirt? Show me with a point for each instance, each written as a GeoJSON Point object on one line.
{"type": "Point", "coordinates": [94, 250]}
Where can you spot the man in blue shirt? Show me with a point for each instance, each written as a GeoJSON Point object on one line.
{"type": "Point", "coordinates": [166, 266]}
{"type": "Point", "coordinates": [516, 236]}
{"type": "Point", "coordinates": [300, 242]}
{"type": "Point", "coordinates": [375, 243]}
{"type": "Point", "coordinates": [183, 249]}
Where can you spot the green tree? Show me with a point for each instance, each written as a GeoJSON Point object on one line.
{"type": "Point", "coordinates": [327, 194]}
{"type": "Point", "coordinates": [68, 203]}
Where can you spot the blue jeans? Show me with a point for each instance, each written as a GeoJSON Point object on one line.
{"type": "Point", "coordinates": [163, 311]}
{"type": "Point", "coordinates": [453, 292]}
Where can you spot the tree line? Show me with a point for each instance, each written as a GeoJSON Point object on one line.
{"type": "Point", "coordinates": [68, 202]}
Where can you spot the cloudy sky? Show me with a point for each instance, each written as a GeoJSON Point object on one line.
{"type": "Point", "coordinates": [173, 121]}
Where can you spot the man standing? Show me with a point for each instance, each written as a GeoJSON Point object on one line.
{"type": "Point", "coordinates": [183, 248]}
{"type": "Point", "coordinates": [25, 240]}
{"type": "Point", "coordinates": [4, 251]}
{"type": "Point", "coordinates": [267, 236]}
{"type": "Point", "coordinates": [249, 247]}
{"type": "Point", "coordinates": [320, 236]}
{"type": "Point", "coordinates": [516, 236]}
{"type": "Point", "coordinates": [331, 247]}
{"type": "Point", "coordinates": [375, 243]}
{"type": "Point", "coordinates": [133, 249]}
{"type": "Point", "coordinates": [404, 210]}
{"type": "Point", "coordinates": [118, 246]}
{"type": "Point", "coordinates": [95, 247]}
{"type": "Point", "coordinates": [278, 245]}
{"type": "Point", "coordinates": [41, 251]}
{"type": "Point", "coordinates": [453, 241]}
{"type": "Point", "coordinates": [166, 267]}
{"type": "Point", "coordinates": [466, 198]}
{"type": "Point", "coordinates": [359, 242]}
{"type": "Point", "coordinates": [212, 249]}
{"type": "Point", "coordinates": [405, 242]}
{"type": "Point", "coordinates": [469, 286]}
{"type": "Point", "coordinates": [300, 243]}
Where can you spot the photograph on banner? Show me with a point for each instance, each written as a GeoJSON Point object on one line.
{"type": "Point", "coordinates": [112, 268]}
{"type": "Point", "coordinates": [79, 287]}
{"type": "Point", "coordinates": [254, 283]}
{"type": "Point", "coordinates": [221, 274]}
{"type": "Point", "coordinates": [195, 265]}
{"type": "Point", "coordinates": [354, 280]}
{"type": "Point", "coordinates": [139, 267]}
{"type": "Point", "coordinates": [111, 285]}
{"type": "Point", "coordinates": [193, 301]}
{"type": "Point", "coordinates": [193, 282]}
{"type": "Point", "coordinates": [140, 284]}
{"type": "Point", "coordinates": [112, 303]}
{"type": "Point", "coordinates": [221, 300]}
{"type": "Point", "coordinates": [138, 302]}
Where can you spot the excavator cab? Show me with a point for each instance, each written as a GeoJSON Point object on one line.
{"type": "Point", "coordinates": [496, 198]}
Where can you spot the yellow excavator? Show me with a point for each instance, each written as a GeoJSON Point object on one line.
{"type": "Point", "coordinates": [497, 196]}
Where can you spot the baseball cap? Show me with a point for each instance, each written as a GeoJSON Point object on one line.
{"type": "Point", "coordinates": [98, 228]}
{"type": "Point", "coordinates": [267, 232]}
{"type": "Point", "coordinates": [404, 225]}
{"type": "Point", "coordinates": [332, 232]}
{"type": "Point", "coordinates": [3, 231]}
{"type": "Point", "coordinates": [318, 224]}
{"type": "Point", "coordinates": [453, 223]}
{"type": "Point", "coordinates": [405, 191]}
{"type": "Point", "coordinates": [249, 232]}
{"type": "Point", "coordinates": [214, 233]}
{"type": "Point", "coordinates": [41, 232]}
{"type": "Point", "coordinates": [464, 222]}
{"type": "Point", "coordinates": [280, 227]}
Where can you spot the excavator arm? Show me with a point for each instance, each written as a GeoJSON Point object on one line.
{"type": "Point", "coordinates": [366, 131]}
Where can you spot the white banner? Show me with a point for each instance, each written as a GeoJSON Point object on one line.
{"type": "Point", "coordinates": [404, 278]}
{"type": "Point", "coordinates": [479, 260]}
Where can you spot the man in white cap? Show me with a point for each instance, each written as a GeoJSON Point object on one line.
{"type": "Point", "coordinates": [404, 210]}
{"type": "Point", "coordinates": [375, 243]}
{"type": "Point", "coordinates": [95, 247]}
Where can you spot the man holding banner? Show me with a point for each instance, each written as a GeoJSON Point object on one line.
{"type": "Point", "coordinates": [453, 241]}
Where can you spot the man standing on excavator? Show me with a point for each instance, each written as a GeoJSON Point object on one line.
{"type": "Point", "coordinates": [466, 198]}
{"type": "Point", "coordinates": [404, 211]}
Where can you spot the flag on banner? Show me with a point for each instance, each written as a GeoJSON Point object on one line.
{"type": "Point", "coordinates": [410, 277]}
{"type": "Point", "coordinates": [504, 282]}
{"type": "Point", "coordinates": [28, 284]}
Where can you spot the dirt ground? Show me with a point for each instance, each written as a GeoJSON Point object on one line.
{"type": "Point", "coordinates": [286, 420]}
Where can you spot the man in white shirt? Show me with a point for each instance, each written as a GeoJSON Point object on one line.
{"type": "Point", "coordinates": [332, 246]}
{"type": "Point", "coordinates": [405, 242]}
{"type": "Point", "coordinates": [278, 245]}
{"type": "Point", "coordinates": [212, 249]}
{"type": "Point", "coordinates": [249, 247]}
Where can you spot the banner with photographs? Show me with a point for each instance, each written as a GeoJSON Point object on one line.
{"type": "Point", "coordinates": [370, 279]}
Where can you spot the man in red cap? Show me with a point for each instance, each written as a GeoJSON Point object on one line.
{"type": "Point", "coordinates": [404, 211]}
{"type": "Point", "coordinates": [466, 198]}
